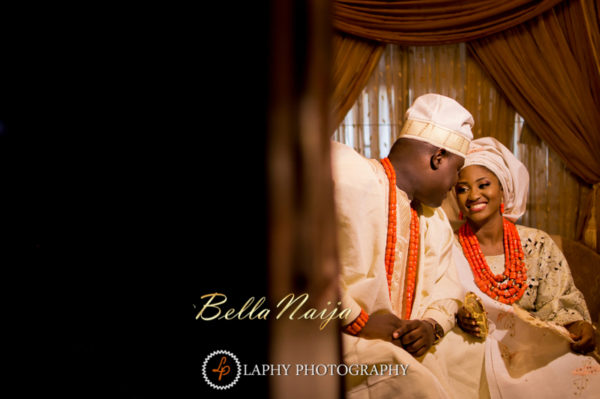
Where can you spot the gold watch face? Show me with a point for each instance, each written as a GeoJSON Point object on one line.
{"type": "Point", "coordinates": [439, 331]}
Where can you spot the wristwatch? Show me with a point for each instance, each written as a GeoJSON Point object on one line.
{"type": "Point", "coordinates": [438, 331]}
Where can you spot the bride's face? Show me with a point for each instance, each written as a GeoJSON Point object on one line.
{"type": "Point", "coordinates": [479, 194]}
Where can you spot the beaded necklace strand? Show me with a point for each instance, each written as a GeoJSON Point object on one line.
{"type": "Point", "coordinates": [507, 287]}
{"type": "Point", "coordinates": [413, 244]}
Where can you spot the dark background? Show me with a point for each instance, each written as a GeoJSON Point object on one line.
{"type": "Point", "coordinates": [132, 152]}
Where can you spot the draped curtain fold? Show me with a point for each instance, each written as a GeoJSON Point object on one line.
{"type": "Point", "coordinates": [361, 26]}
{"type": "Point", "coordinates": [432, 22]}
{"type": "Point", "coordinates": [546, 78]}
{"type": "Point", "coordinates": [353, 62]}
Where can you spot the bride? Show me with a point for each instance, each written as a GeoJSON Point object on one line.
{"type": "Point", "coordinates": [539, 324]}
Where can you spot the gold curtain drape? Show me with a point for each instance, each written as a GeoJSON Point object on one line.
{"type": "Point", "coordinates": [543, 73]}
{"type": "Point", "coordinates": [353, 63]}
{"type": "Point", "coordinates": [432, 22]}
{"type": "Point", "coordinates": [361, 26]}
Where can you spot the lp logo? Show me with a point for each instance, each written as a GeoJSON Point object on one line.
{"type": "Point", "coordinates": [223, 371]}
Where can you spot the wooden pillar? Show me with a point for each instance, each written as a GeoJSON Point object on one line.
{"type": "Point", "coordinates": [302, 256]}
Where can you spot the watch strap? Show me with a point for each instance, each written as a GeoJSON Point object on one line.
{"type": "Point", "coordinates": [438, 331]}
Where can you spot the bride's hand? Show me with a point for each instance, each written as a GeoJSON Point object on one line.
{"type": "Point", "coordinates": [582, 333]}
{"type": "Point", "coordinates": [467, 323]}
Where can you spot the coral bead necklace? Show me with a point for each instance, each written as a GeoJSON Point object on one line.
{"type": "Point", "coordinates": [507, 287]}
{"type": "Point", "coordinates": [390, 248]}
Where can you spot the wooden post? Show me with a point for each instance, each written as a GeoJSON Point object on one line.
{"type": "Point", "coordinates": [302, 257]}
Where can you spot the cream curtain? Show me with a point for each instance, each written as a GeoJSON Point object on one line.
{"type": "Point", "coordinates": [404, 73]}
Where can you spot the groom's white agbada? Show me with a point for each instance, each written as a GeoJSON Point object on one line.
{"type": "Point", "coordinates": [432, 146]}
